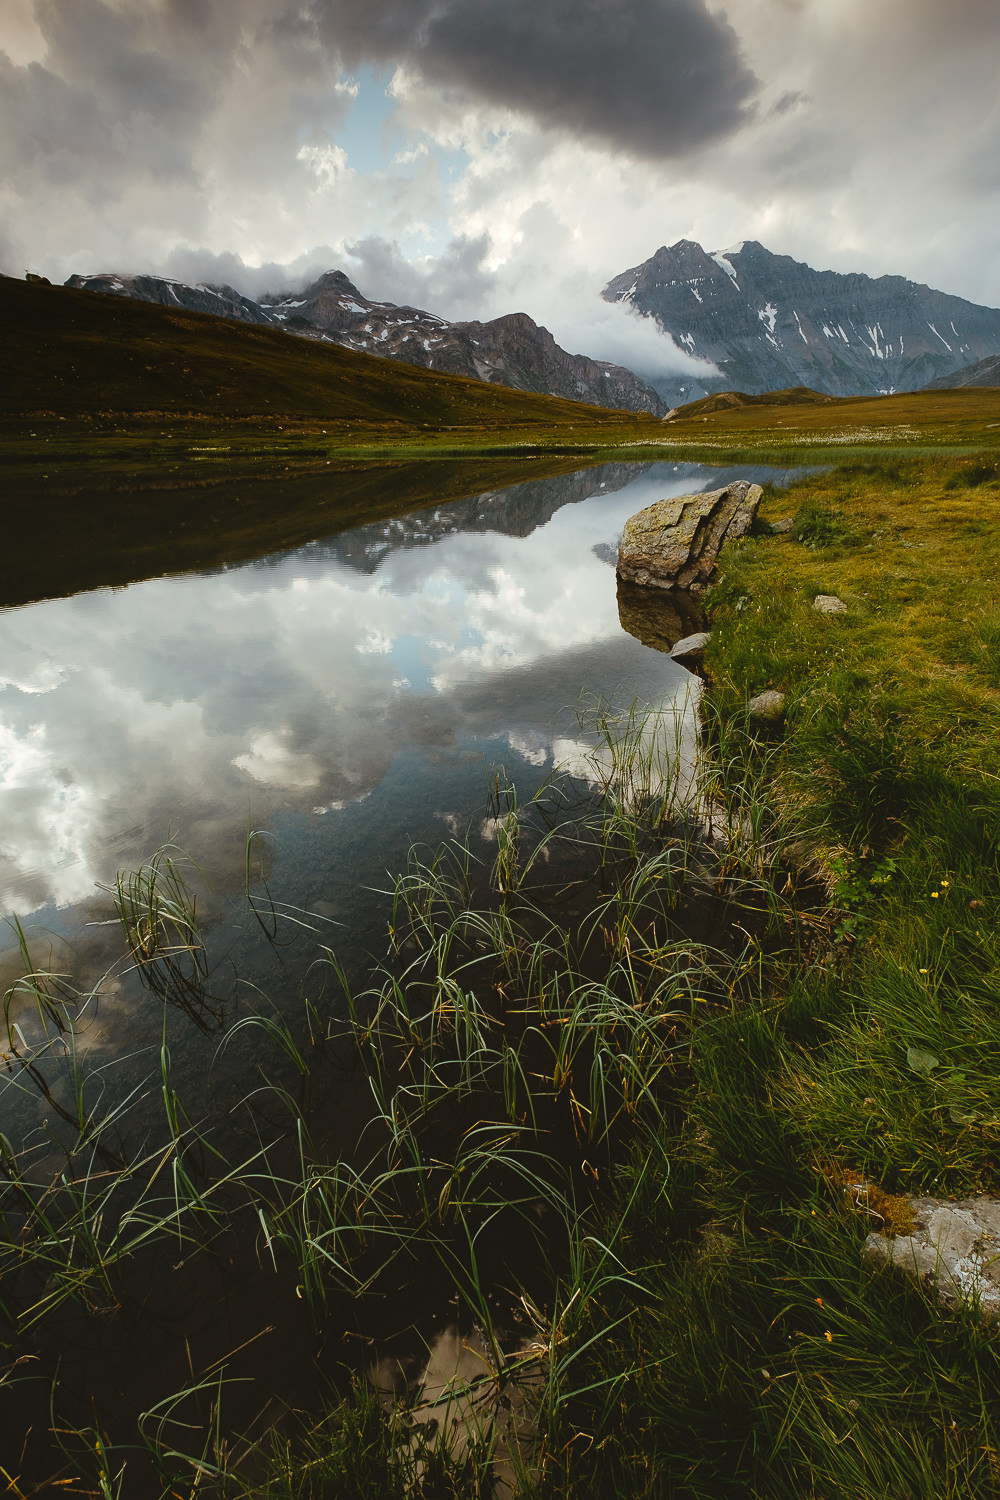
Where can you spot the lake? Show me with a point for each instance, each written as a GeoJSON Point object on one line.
{"type": "Point", "coordinates": [301, 720]}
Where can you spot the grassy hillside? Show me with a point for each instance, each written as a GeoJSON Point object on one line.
{"type": "Point", "coordinates": [802, 417]}
{"type": "Point", "coordinates": [796, 395]}
{"type": "Point", "coordinates": [72, 354]}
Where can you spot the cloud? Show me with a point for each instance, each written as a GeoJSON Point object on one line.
{"type": "Point", "coordinates": [654, 79]}
{"type": "Point", "coordinates": [228, 269]}
{"type": "Point", "coordinates": [576, 135]}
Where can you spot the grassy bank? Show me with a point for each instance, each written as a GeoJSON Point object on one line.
{"type": "Point", "coordinates": [770, 1359]}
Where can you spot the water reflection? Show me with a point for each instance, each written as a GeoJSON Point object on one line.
{"type": "Point", "coordinates": [178, 708]}
{"type": "Point", "coordinates": [348, 696]}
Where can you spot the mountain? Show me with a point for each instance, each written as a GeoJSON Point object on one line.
{"type": "Point", "coordinates": [769, 322]}
{"type": "Point", "coordinates": [222, 301]}
{"type": "Point", "coordinates": [983, 372]}
{"type": "Point", "coordinates": [66, 352]}
{"type": "Point", "coordinates": [512, 351]}
{"type": "Point", "coordinates": [515, 510]}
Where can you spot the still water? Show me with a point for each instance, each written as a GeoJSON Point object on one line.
{"type": "Point", "coordinates": [349, 698]}
{"type": "Point", "coordinates": [344, 693]}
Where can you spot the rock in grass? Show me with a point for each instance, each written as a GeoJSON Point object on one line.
{"type": "Point", "coordinates": [954, 1246]}
{"type": "Point", "coordinates": [691, 648]}
{"type": "Point", "coordinates": [768, 707]}
{"type": "Point", "coordinates": [829, 604]}
{"type": "Point", "coordinates": [675, 543]}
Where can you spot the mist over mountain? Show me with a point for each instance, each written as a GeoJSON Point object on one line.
{"type": "Point", "coordinates": [512, 350]}
{"type": "Point", "coordinates": [769, 322]}
{"type": "Point", "coordinates": [983, 372]}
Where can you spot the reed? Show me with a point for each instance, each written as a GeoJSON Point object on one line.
{"type": "Point", "coordinates": [532, 1020]}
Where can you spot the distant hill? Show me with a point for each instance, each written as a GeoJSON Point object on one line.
{"type": "Point", "coordinates": [511, 351]}
{"type": "Point", "coordinates": [768, 322]}
{"type": "Point", "coordinates": [983, 372]}
{"type": "Point", "coordinates": [799, 395]}
{"type": "Point", "coordinates": [66, 352]}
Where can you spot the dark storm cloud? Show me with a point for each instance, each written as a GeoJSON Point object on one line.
{"type": "Point", "coordinates": [128, 88]}
{"type": "Point", "coordinates": [652, 78]}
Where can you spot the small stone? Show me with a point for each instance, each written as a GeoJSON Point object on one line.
{"type": "Point", "coordinates": [692, 647]}
{"type": "Point", "coordinates": [785, 524]}
{"type": "Point", "coordinates": [955, 1246]}
{"type": "Point", "coordinates": [829, 604]}
{"type": "Point", "coordinates": [768, 707]}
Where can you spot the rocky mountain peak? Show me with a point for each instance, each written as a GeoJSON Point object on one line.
{"type": "Point", "coordinates": [332, 281]}
{"type": "Point", "coordinates": [768, 322]}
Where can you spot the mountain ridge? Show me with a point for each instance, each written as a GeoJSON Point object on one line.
{"type": "Point", "coordinates": [769, 322]}
{"type": "Point", "coordinates": [66, 352]}
{"type": "Point", "coordinates": [985, 372]}
{"type": "Point", "coordinates": [512, 350]}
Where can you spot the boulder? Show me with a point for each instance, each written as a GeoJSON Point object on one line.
{"type": "Point", "coordinates": [955, 1246]}
{"type": "Point", "coordinates": [655, 618]}
{"type": "Point", "coordinates": [691, 649]}
{"type": "Point", "coordinates": [674, 544]}
{"type": "Point", "coordinates": [829, 604]}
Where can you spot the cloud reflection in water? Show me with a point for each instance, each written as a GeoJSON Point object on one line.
{"type": "Point", "coordinates": [170, 708]}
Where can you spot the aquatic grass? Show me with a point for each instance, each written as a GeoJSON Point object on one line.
{"type": "Point", "coordinates": [158, 913]}
{"type": "Point", "coordinates": [53, 994]}
{"type": "Point", "coordinates": [529, 1021]}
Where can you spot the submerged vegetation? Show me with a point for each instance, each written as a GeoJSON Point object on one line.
{"type": "Point", "coordinates": [619, 1103]}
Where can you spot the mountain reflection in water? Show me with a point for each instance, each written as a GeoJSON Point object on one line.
{"type": "Point", "coordinates": [376, 673]}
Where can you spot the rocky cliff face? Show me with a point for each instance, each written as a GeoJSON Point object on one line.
{"type": "Point", "coordinates": [512, 351]}
{"type": "Point", "coordinates": [768, 322]}
{"type": "Point", "coordinates": [223, 301]}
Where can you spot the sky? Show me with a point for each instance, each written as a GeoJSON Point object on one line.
{"type": "Point", "coordinates": [478, 157]}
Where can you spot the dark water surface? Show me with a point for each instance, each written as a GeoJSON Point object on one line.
{"type": "Point", "coordinates": [349, 697]}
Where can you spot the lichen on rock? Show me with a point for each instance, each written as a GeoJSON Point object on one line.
{"type": "Point", "coordinates": [955, 1246]}
{"type": "Point", "coordinates": [674, 544]}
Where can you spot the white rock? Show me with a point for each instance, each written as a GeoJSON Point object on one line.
{"type": "Point", "coordinates": [692, 647]}
{"type": "Point", "coordinates": [954, 1246]}
{"type": "Point", "coordinates": [829, 604]}
{"type": "Point", "coordinates": [768, 707]}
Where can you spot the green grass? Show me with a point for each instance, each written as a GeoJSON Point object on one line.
{"type": "Point", "coordinates": [773, 1360]}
